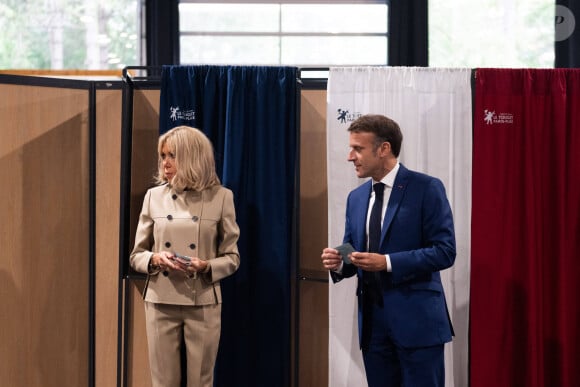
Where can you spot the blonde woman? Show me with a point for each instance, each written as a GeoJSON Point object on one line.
{"type": "Point", "coordinates": [186, 242]}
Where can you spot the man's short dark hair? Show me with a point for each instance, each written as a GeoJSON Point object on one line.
{"type": "Point", "coordinates": [384, 128]}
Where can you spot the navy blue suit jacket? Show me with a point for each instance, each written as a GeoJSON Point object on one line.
{"type": "Point", "coordinates": [419, 236]}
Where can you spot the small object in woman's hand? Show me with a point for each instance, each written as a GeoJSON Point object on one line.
{"type": "Point", "coordinates": [182, 259]}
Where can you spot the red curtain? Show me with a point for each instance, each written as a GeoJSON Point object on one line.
{"type": "Point", "coordinates": [525, 269]}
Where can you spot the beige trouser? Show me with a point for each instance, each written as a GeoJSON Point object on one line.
{"type": "Point", "coordinates": [200, 328]}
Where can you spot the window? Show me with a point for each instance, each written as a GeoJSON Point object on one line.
{"type": "Point", "coordinates": [495, 33]}
{"type": "Point", "coordinates": [69, 34]}
{"type": "Point", "coordinates": [298, 33]}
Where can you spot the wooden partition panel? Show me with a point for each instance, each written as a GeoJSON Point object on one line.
{"type": "Point", "coordinates": [44, 236]}
{"type": "Point", "coordinates": [313, 287]}
{"type": "Point", "coordinates": [143, 167]}
{"type": "Point", "coordinates": [107, 199]}
{"type": "Point", "coordinates": [313, 191]}
{"type": "Point", "coordinates": [108, 171]}
{"type": "Point", "coordinates": [313, 336]}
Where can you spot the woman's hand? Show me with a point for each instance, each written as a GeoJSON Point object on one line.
{"type": "Point", "coordinates": [164, 261]}
{"type": "Point", "coordinates": [198, 266]}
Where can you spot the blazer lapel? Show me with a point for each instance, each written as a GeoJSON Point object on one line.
{"type": "Point", "coordinates": [362, 204]}
{"type": "Point", "coordinates": [397, 194]}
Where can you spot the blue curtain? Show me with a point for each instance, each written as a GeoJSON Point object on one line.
{"type": "Point", "coordinates": [249, 114]}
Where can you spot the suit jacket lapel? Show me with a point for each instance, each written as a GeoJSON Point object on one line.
{"type": "Point", "coordinates": [362, 204]}
{"type": "Point", "coordinates": [399, 186]}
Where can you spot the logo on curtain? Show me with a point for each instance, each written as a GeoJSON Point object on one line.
{"type": "Point", "coordinates": [565, 23]}
{"type": "Point", "coordinates": [175, 113]}
{"type": "Point", "coordinates": [491, 117]}
{"type": "Point", "coordinates": [345, 116]}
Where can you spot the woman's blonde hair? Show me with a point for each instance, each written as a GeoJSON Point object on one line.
{"type": "Point", "coordinates": [194, 159]}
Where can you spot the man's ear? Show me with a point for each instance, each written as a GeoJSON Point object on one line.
{"type": "Point", "coordinates": [385, 148]}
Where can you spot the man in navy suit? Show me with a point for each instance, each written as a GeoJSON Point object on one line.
{"type": "Point", "coordinates": [403, 318]}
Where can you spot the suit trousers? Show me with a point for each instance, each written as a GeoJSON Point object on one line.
{"type": "Point", "coordinates": [167, 326]}
{"type": "Point", "coordinates": [390, 365]}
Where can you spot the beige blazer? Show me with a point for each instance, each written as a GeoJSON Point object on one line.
{"type": "Point", "coordinates": [191, 223]}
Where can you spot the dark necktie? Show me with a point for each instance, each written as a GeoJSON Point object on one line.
{"type": "Point", "coordinates": [375, 219]}
{"type": "Point", "coordinates": [372, 279]}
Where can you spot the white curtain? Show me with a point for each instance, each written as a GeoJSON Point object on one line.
{"type": "Point", "coordinates": [433, 109]}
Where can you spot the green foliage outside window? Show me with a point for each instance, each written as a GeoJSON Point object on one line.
{"type": "Point", "coordinates": [69, 34]}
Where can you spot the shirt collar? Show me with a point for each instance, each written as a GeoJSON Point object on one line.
{"type": "Point", "coordinates": [389, 179]}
